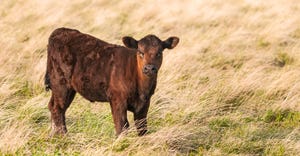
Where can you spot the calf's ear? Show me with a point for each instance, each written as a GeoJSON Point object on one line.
{"type": "Point", "coordinates": [130, 42]}
{"type": "Point", "coordinates": [171, 42]}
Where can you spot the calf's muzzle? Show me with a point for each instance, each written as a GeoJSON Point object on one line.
{"type": "Point", "coordinates": [150, 69]}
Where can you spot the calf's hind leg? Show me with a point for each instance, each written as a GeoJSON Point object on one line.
{"type": "Point", "coordinates": [58, 105]}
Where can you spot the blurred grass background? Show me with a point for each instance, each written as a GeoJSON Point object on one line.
{"type": "Point", "coordinates": [231, 86]}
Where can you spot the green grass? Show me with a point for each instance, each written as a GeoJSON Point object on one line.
{"type": "Point", "coordinates": [230, 87]}
{"type": "Point", "coordinates": [282, 59]}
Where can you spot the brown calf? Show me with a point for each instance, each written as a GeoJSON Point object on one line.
{"type": "Point", "coordinates": [99, 71]}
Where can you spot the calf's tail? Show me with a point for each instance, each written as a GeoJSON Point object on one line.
{"type": "Point", "coordinates": [47, 81]}
{"type": "Point", "coordinates": [47, 77]}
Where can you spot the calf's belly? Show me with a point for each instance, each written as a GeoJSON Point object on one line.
{"type": "Point", "coordinates": [91, 90]}
{"type": "Point", "coordinates": [94, 96]}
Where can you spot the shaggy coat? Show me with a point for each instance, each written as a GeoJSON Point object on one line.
{"type": "Point", "coordinates": [123, 76]}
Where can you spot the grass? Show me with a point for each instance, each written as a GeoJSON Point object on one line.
{"type": "Point", "coordinates": [231, 86]}
{"type": "Point", "coordinates": [283, 59]}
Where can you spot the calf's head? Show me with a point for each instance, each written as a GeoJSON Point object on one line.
{"type": "Point", "coordinates": [149, 50]}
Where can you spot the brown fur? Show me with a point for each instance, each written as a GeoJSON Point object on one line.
{"type": "Point", "coordinates": [99, 71]}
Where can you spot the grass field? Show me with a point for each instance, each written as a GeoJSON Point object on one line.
{"type": "Point", "coordinates": [230, 87]}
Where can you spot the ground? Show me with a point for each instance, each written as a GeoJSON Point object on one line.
{"type": "Point", "coordinates": [230, 87]}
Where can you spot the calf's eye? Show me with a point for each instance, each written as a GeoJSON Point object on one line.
{"type": "Point", "coordinates": [158, 55]}
{"type": "Point", "coordinates": [141, 54]}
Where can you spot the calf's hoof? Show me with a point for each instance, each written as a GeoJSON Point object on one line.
{"type": "Point", "coordinates": [142, 132]}
{"type": "Point", "coordinates": [58, 131]}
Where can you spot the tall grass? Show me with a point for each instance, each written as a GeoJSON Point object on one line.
{"type": "Point", "coordinates": [231, 86]}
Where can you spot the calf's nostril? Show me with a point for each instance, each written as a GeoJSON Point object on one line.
{"type": "Point", "coordinates": [149, 69]}
{"type": "Point", "coordinates": [145, 69]}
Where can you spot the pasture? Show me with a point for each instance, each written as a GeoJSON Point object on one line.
{"type": "Point", "coordinates": [230, 87]}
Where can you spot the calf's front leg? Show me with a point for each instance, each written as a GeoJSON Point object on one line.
{"type": "Point", "coordinates": [140, 117]}
{"type": "Point", "coordinates": [119, 113]}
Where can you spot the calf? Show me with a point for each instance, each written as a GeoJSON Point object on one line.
{"type": "Point", "coordinates": [123, 76]}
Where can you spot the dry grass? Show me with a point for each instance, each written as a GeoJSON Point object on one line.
{"type": "Point", "coordinates": [231, 87]}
